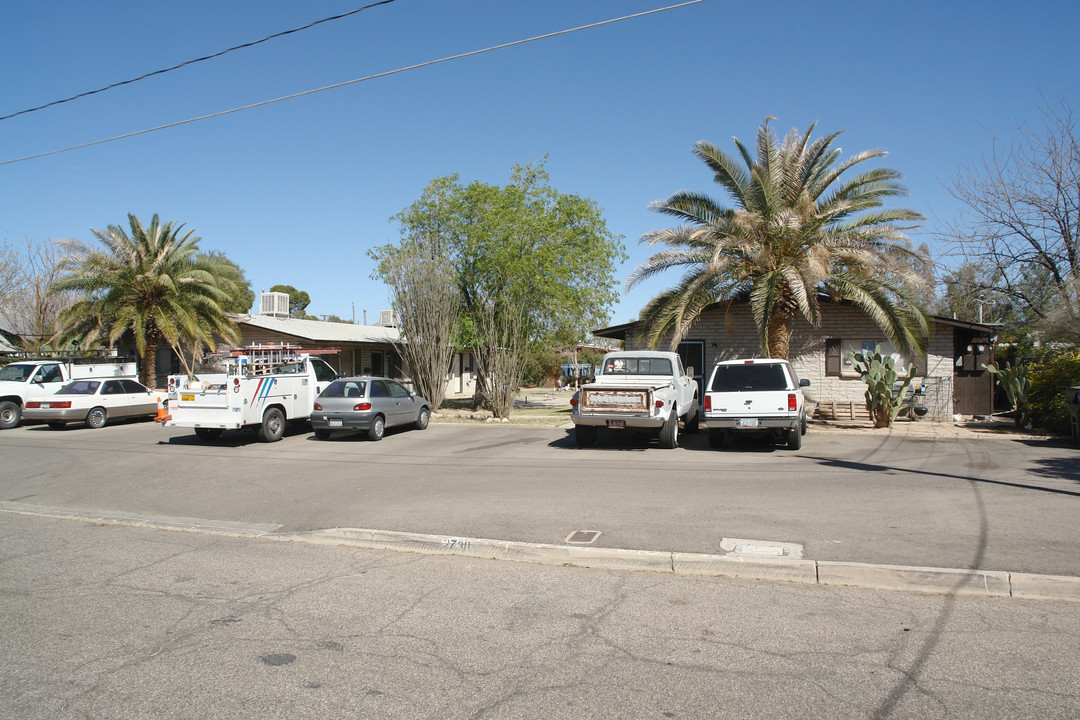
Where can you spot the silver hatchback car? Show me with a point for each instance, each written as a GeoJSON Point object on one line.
{"type": "Point", "coordinates": [368, 404]}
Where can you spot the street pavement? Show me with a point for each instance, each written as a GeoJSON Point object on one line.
{"type": "Point", "coordinates": [996, 508]}
{"type": "Point", "coordinates": [144, 574]}
{"type": "Point", "coordinates": [109, 621]}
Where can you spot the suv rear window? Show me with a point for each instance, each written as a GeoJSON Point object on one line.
{"type": "Point", "coordinates": [739, 378]}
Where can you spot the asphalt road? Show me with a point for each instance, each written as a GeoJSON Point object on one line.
{"type": "Point", "coordinates": [109, 621]}
{"type": "Point", "coordinates": [991, 504]}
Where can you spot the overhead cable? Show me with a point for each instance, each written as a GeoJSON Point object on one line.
{"type": "Point", "coordinates": [352, 82]}
{"type": "Point", "coordinates": [192, 62]}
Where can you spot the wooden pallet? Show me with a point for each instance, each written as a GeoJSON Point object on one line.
{"type": "Point", "coordinates": [841, 410]}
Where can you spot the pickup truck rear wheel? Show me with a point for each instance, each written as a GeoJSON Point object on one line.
{"type": "Point", "coordinates": [208, 433]}
{"type": "Point", "coordinates": [586, 435]}
{"type": "Point", "coordinates": [669, 433]}
{"type": "Point", "coordinates": [273, 425]}
{"type": "Point", "coordinates": [10, 414]}
{"type": "Point", "coordinates": [716, 438]}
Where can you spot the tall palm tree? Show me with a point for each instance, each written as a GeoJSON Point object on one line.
{"type": "Point", "coordinates": [796, 234]}
{"type": "Point", "coordinates": [152, 283]}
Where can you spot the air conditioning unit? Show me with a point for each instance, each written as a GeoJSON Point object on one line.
{"type": "Point", "coordinates": [275, 304]}
{"type": "Point", "coordinates": [388, 318]}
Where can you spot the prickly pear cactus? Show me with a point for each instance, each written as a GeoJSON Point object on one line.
{"type": "Point", "coordinates": [1014, 381]}
{"type": "Point", "coordinates": [879, 374]}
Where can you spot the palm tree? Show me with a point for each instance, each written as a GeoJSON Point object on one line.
{"type": "Point", "coordinates": [795, 236]}
{"type": "Point", "coordinates": [152, 283]}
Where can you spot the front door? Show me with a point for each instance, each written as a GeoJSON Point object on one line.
{"type": "Point", "coordinates": [692, 353]}
{"type": "Point", "coordinates": [378, 368]}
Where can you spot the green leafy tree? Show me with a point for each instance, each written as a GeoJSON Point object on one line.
{"type": "Point", "coordinates": [298, 300]}
{"type": "Point", "coordinates": [530, 264]}
{"type": "Point", "coordinates": [797, 232]}
{"type": "Point", "coordinates": [151, 283]}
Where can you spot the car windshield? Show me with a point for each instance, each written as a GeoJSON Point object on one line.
{"type": "Point", "coordinates": [79, 387]}
{"type": "Point", "coordinates": [344, 388]}
{"type": "Point", "coordinates": [637, 366]}
{"type": "Point", "coordinates": [737, 378]}
{"type": "Point", "coordinates": [16, 372]}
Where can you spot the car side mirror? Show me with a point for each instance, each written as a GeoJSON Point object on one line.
{"type": "Point", "coordinates": [690, 371]}
{"type": "Point", "coordinates": [804, 383]}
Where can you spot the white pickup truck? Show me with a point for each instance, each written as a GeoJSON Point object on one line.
{"type": "Point", "coordinates": [262, 388]}
{"type": "Point", "coordinates": [755, 397]}
{"type": "Point", "coordinates": [637, 390]}
{"type": "Point", "coordinates": [35, 378]}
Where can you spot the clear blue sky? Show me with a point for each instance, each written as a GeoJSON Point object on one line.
{"type": "Point", "coordinates": [296, 192]}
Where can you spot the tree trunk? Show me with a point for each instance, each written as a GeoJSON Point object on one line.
{"type": "Point", "coordinates": [148, 362]}
{"type": "Point", "coordinates": [778, 337]}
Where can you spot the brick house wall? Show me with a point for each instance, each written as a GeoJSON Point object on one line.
{"type": "Point", "coordinates": [730, 334]}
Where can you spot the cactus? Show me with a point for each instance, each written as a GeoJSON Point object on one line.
{"type": "Point", "coordinates": [1014, 381]}
{"type": "Point", "coordinates": [879, 374]}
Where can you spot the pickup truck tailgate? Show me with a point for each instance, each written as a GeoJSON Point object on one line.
{"type": "Point", "coordinates": [604, 400]}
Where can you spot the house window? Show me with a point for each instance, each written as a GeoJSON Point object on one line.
{"type": "Point", "coordinates": [833, 359]}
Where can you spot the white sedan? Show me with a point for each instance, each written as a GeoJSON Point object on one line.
{"type": "Point", "coordinates": [94, 402]}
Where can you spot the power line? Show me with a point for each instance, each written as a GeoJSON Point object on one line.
{"type": "Point", "coordinates": [192, 62]}
{"type": "Point", "coordinates": [353, 82]}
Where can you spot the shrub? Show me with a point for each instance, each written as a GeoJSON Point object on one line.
{"type": "Point", "coordinates": [1049, 380]}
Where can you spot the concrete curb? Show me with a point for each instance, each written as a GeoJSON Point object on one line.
{"type": "Point", "coordinates": [937, 581]}
{"type": "Point", "coordinates": [928, 580]}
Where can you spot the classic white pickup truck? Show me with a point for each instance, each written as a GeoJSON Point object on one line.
{"type": "Point", "coordinates": [637, 390]}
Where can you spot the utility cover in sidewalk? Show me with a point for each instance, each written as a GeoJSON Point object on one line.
{"type": "Point", "coordinates": [761, 548]}
{"type": "Point", "coordinates": [583, 537]}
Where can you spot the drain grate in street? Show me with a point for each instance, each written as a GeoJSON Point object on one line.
{"type": "Point", "coordinates": [583, 537]}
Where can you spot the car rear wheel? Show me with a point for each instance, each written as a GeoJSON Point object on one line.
{"type": "Point", "coordinates": [585, 435]}
{"type": "Point", "coordinates": [57, 424]}
{"type": "Point", "coordinates": [322, 434]}
{"type": "Point", "coordinates": [794, 438]}
{"type": "Point", "coordinates": [378, 428]}
{"type": "Point", "coordinates": [10, 414]}
{"type": "Point", "coordinates": [423, 419]}
{"type": "Point", "coordinates": [669, 433]}
{"type": "Point", "coordinates": [273, 425]}
{"type": "Point", "coordinates": [96, 418]}
{"type": "Point", "coordinates": [208, 433]}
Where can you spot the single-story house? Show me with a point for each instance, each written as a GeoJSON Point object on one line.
{"type": "Point", "coordinates": [349, 348]}
{"type": "Point", "coordinates": [952, 369]}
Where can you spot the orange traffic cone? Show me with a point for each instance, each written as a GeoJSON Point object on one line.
{"type": "Point", "coordinates": [163, 415]}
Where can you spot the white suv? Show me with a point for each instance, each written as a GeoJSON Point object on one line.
{"type": "Point", "coordinates": [760, 396]}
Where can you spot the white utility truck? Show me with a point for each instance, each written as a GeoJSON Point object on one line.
{"type": "Point", "coordinates": [263, 386]}
{"type": "Point", "coordinates": [35, 378]}
{"type": "Point", "coordinates": [637, 390]}
{"type": "Point", "coordinates": [755, 397]}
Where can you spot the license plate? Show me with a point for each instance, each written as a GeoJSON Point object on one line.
{"type": "Point", "coordinates": [616, 424]}
{"type": "Point", "coordinates": [746, 423]}
{"type": "Point", "coordinates": [333, 423]}
{"type": "Point", "coordinates": [46, 406]}
{"type": "Point", "coordinates": [187, 398]}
